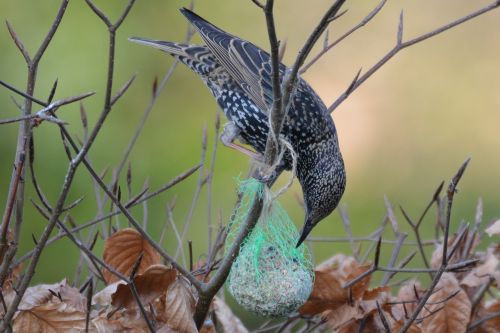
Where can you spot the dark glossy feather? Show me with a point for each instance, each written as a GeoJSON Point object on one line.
{"type": "Point", "coordinates": [249, 65]}
{"type": "Point", "coordinates": [238, 74]}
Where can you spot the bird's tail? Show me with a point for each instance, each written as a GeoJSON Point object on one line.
{"type": "Point", "coordinates": [196, 57]}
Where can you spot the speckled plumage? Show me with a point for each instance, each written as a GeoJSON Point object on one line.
{"type": "Point", "coordinates": [238, 74]}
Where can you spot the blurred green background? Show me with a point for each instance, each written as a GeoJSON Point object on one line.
{"type": "Point", "coordinates": [405, 130]}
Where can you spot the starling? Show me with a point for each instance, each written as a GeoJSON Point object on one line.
{"type": "Point", "coordinates": [238, 74]}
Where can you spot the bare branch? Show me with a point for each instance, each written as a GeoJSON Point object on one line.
{"type": "Point", "coordinates": [21, 93]}
{"type": "Point", "coordinates": [258, 4]}
{"type": "Point", "coordinates": [18, 43]}
{"type": "Point", "coordinates": [399, 39]}
{"type": "Point", "coordinates": [122, 90]}
{"type": "Point", "coordinates": [327, 48]}
{"type": "Point", "coordinates": [403, 45]}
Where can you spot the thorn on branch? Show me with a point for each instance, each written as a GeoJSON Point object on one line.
{"type": "Point", "coordinates": [334, 17]}
{"type": "Point", "coordinates": [52, 92]}
{"type": "Point", "coordinates": [34, 239]}
{"type": "Point", "coordinates": [353, 83]}
{"type": "Point", "coordinates": [137, 263]}
{"type": "Point", "coordinates": [400, 29]}
{"type": "Point", "coordinates": [258, 4]}
{"type": "Point", "coordinates": [122, 90]}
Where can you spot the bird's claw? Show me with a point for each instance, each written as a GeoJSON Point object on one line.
{"type": "Point", "coordinates": [267, 179]}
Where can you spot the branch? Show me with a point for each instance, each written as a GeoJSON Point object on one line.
{"type": "Point", "coordinates": [328, 47]}
{"type": "Point", "coordinates": [444, 264]}
{"type": "Point", "coordinates": [15, 195]}
{"type": "Point", "coordinates": [209, 290]}
{"type": "Point", "coordinates": [400, 45]}
{"type": "Point", "coordinates": [276, 116]}
{"type": "Point", "coordinates": [133, 202]}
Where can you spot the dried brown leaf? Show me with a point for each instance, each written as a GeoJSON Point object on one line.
{"type": "Point", "coordinates": [225, 319]}
{"type": "Point", "coordinates": [453, 315]}
{"type": "Point", "coordinates": [371, 323]}
{"type": "Point", "coordinates": [122, 250]}
{"type": "Point", "coordinates": [409, 294]}
{"type": "Point", "coordinates": [103, 297]}
{"type": "Point", "coordinates": [42, 311]}
{"type": "Point", "coordinates": [492, 325]}
{"type": "Point", "coordinates": [129, 321]}
{"type": "Point", "coordinates": [327, 294]}
{"type": "Point", "coordinates": [485, 326]}
{"type": "Point", "coordinates": [334, 263]}
{"type": "Point", "coordinates": [50, 319]}
{"type": "Point", "coordinates": [464, 248]}
{"type": "Point", "coordinates": [379, 294]}
{"type": "Point", "coordinates": [342, 316]}
{"type": "Point", "coordinates": [359, 289]}
{"type": "Point", "coordinates": [346, 268]}
{"type": "Point", "coordinates": [398, 325]}
{"type": "Point", "coordinates": [151, 284]}
{"type": "Point", "coordinates": [41, 294]}
{"type": "Point", "coordinates": [179, 307]}
{"type": "Point", "coordinates": [481, 273]}
{"type": "Point", "coordinates": [493, 229]}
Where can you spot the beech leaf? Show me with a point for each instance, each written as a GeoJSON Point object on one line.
{"type": "Point", "coordinates": [226, 319]}
{"type": "Point", "coordinates": [453, 315]}
{"type": "Point", "coordinates": [179, 307]}
{"type": "Point", "coordinates": [51, 308]}
{"type": "Point", "coordinates": [122, 250]}
{"type": "Point", "coordinates": [151, 284]}
{"type": "Point", "coordinates": [327, 294]}
{"type": "Point", "coordinates": [494, 229]}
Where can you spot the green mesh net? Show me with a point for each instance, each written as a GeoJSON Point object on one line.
{"type": "Point", "coordinates": [270, 277]}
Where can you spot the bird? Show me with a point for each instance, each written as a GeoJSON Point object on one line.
{"type": "Point", "coordinates": [239, 75]}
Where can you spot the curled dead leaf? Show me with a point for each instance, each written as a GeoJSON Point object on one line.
{"type": "Point", "coordinates": [358, 290]}
{"type": "Point", "coordinates": [103, 297]}
{"type": "Point", "coordinates": [482, 273]}
{"type": "Point", "coordinates": [129, 321]}
{"type": "Point", "coordinates": [398, 325]}
{"type": "Point", "coordinates": [179, 307]}
{"type": "Point", "coordinates": [327, 294]}
{"type": "Point", "coordinates": [492, 325]}
{"type": "Point", "coordinates": [335, 262]}
{"type": "Point", "coordinates": [43, 293]}
{"type": "Point", "coordinates": [123, 248]}
{"type": "Point", "coordinates": [342, 316]}
{"type": "Point", "coordinates": [407, 299]}
{"type": "Point", "coordinates": [225, 320]}
{"type": "Point", "coordinates": [445, 314]}
{"type": "Point", "coordinates": [493, 229]}
{"type": "Point", "coordinates": [464, 248]}
{"type": "Point", "coordinates": [51, 308]}
{"type": "Point", "coordinates": [151, 284]}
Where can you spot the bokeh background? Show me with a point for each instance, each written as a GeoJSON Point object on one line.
{"type": "Point", "coordinates": [405, 130]}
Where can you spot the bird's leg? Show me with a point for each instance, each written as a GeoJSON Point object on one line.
{"type": "Point", "coordinates": [229, 134]}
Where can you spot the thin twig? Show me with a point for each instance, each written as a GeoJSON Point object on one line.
{"type": "Point", "coordinates": [196, 195]}
{"type": "Point", "coordinates": [402, 45]}
{"type": "Point", "coordinates": [481, 321]}
{"type": "Point", "coordinates": [132, 203]}
{"type": "Point", "coordinates": [328, 47]}
{"type": "Point", "coordinates": [444, 264]}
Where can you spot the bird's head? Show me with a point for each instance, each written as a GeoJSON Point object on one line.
{"type": "Point", "coordinates": [323, 182]}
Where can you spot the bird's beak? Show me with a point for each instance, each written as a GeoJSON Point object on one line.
{"type": "Point", "coordinates": [308, 226]}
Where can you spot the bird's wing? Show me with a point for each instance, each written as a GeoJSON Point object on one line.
{"type": "Point", "coordinates": [248, 65]}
